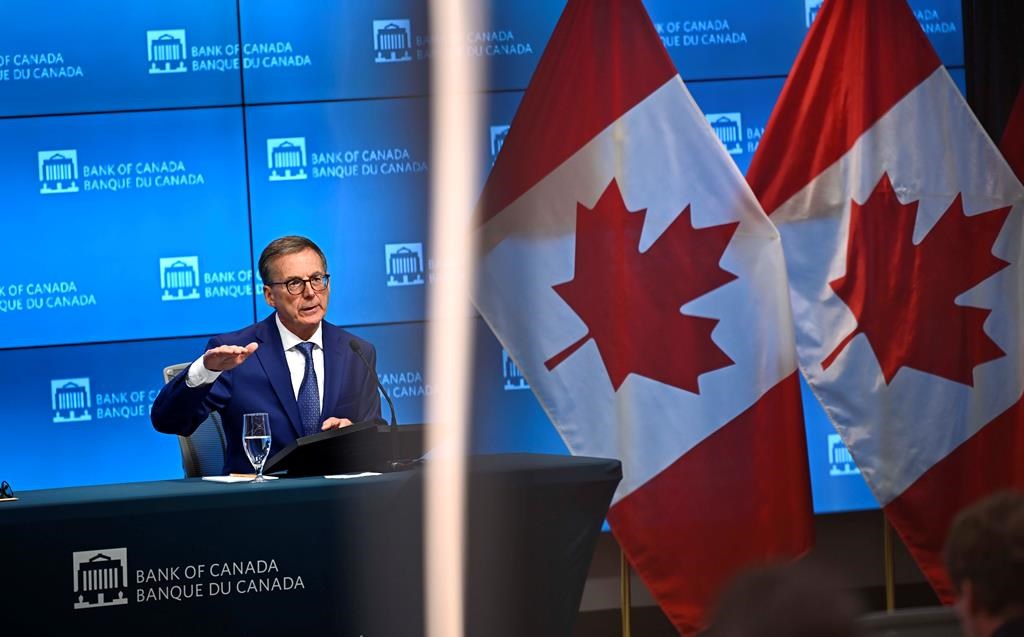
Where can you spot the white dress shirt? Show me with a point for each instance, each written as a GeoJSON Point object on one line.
{"type": "Point", "coordinates": [199, 375]}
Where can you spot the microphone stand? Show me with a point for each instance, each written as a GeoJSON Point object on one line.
{"type": "Point", "coordinates": [395, 464]}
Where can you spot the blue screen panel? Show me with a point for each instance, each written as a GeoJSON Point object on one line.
{"type": "Point", "coordinates": [836, 483]}
{"type": "Point", "coordinates": [145, 227]}
{"type": "Point", "coordinates": [400, 367]}
{"type": "Point", "coordinates": [511, 44]}
{"type": "Point", "coordinates": [738, 111]}
{"type": "Point", "coordinates": [942, 21]}
{"type": "Point", "coordinates": [715, 39]}
{"type": "Point", "coordinates": [496, 113]}
{"type": "Point", "coordinates": [330, 52]}
{"type": "Point", "coordinates": [310, 50]}
{"type": "Point", "coordinates": [353, 177]}
{"type": "Point", "coordinates": [80, 415]}
{"type": "Point", "coordinates": [506, 416]}
{"type": "Point", "coordinates": [66, 56]}
{"type": "Point", "coordinates": [721, 39]}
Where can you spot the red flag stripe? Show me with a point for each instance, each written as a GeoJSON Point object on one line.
{"type": "Point", "coordinates": [923, 513]}
{"type": "Point", "coordinates": [688, 530]}
{"type": "Point", "coordinates": [560, 114]}
{"type": "Point", "coordinates": [834, 94]}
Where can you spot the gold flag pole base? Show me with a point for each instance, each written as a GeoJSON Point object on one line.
{"type": "Point", "coordinates": [889, 565]}
{"type": "Point", "coordinates": [625, 592]}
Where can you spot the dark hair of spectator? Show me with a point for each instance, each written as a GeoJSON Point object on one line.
{"type": "Point", "coordinates": [801, 599]}
{"type": "Point", "coordinates": [986, 546]}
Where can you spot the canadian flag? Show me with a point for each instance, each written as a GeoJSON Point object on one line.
{"type": "Point", "coordinates": [901, 224]}
{"type": "Point", "coordinates": [630, 272]}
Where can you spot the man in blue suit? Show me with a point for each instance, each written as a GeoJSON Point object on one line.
{"type": "Point", "coordinates": [304, 373]}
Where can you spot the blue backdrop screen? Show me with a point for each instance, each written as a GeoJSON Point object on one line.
{"type": "Point", "coordinates": [135, 214]}
{"type": "Point", "coordinates": [361, 196]}
{"type": "Point", "coordinates": [109, 55]}
{"type": "Point", "coordinates": [150, 151]}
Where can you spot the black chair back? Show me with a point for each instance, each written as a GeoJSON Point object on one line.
{"type": "Point", "coordinates": [202, 453]}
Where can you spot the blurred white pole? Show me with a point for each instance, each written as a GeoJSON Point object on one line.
{"type": "Point", "coordinates": [454, 127]}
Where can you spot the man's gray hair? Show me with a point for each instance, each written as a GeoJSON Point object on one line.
{"type": "Point", "coordinates": [286, 245]}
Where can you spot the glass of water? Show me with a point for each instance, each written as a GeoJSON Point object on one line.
{"type": "Point", "coordinates": [256, 441]}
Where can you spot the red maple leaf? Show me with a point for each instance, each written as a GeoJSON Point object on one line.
{"type": "Point", "coordinates": [630, 300]}
{"type": "Point", "coordinates": [903, 295]}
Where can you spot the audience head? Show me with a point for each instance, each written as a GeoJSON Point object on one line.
{"type": "Point", "coordinates": [801, 599]}
{"type": "Point", "coordinates": [985, 562]}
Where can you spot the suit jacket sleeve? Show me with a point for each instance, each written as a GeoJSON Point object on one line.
{"type": "Point", "coordinates": [180, 409]}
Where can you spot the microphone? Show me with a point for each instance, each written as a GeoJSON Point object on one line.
{"type": "Point", "coordinates": [395, 463]}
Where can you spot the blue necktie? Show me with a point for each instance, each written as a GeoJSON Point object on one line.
{"type": "Point", "coordinates": [309, 394]}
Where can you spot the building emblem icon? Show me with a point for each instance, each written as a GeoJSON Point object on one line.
{"type": "Point", "coordinates": [498, 135]}
{"type": "Point", "coordinates": [513, 377]}
{"type": "Point", "coordinates": [286, 158]}
{"type": "Point", "coordinates": [811, 8]}
{"type": "Point", "coordinates": [70, 398]}
{"type": "Point", "coordinates": [101, 577]}
{"type": "Point", "coordinates": [58, 171]}
{"type": "Point", "coordinates": [392, 41]}
{"type": "Point", "coordinates": [404, 263]}
{"type": "Point", "coordinates": [179, 278]}
{"type": "Point", "coordinates": [166, 51]}
{"type": "Point", "coordinates": [729, 129]}
{"type": "Point", "coordinates": [840, 462]}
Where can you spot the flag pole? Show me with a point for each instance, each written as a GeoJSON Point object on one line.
{"type": "Point", "coordinates": [625, 592]}
{"type": "Point", "coordinates": [449, 349]}
{"type": "Point", "coordinates": [889, 564]}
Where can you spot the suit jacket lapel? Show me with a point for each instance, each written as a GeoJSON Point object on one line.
{"type": "Point", "coordinates": [271, 356]}
{"type": "Point", "coordinates": [333, 352]}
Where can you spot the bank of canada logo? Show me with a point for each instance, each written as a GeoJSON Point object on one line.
{"type": "Point", "coordinates": [392, 40]}
{"type": "Point", "coordinates": [840, 462]}
{"type": "Point", "coordinates": [101, 577]}
{"type": "Point", "coordinates": [811, 8]}
{"type": "Point", "coordinates": [729, 129]}
{"type": "Point", "coordinates": [404, 262]}
{"type": "Point", "coordinates": [58, 171]}
{"type": "Point", "coordinates": [71, 400]}
{"type": "Point", "coordinates": [166, 51]}
{"type": "Point", "coordinates": [286, 158]}
{"type": "Point", "coordinates": [179, 278]}
{"type": "Point", "coordinates": [498, 135]}
{"type": "Point", "coordinates": [513, 377]}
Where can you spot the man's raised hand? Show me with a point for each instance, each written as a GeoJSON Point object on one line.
{"type": "Point", "coordinates": [225, 357]}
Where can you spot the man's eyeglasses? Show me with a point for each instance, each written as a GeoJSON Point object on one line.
{"type": "Point", "coordinates": [5, 490]}
{"type": "Point", "coordinates": [318, 282]}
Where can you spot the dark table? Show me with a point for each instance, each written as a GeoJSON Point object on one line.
{"type": "Point", "coordinates": [299, 556]}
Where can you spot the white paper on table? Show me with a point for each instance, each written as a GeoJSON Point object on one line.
{"type": "Point", "coordinates": [346, 476]}
{"type": "Point", "coordinates": [246, 478]}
